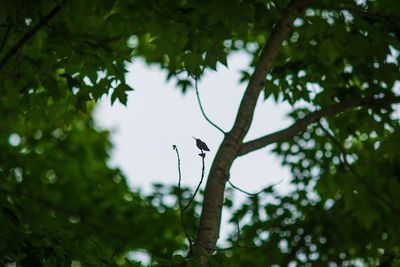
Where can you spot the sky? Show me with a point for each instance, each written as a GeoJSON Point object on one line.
{"type": "Point", "coordinates": [158, 116]}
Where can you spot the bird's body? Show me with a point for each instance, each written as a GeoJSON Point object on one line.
{"type": "Point", "coordinates": [201, 145]}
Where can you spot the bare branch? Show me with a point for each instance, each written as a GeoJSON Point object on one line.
{"type": "Point", "coordinates": [238, 230]}
{"type": "Point", "coordinates": [231, 247]}
{"type": "Point", "coordinates": [5, 37]}
{"type": "Point", "coordinates": [25, 38]}
{"type": "Point", "coordinates": [302, 124]}
{"type": "Point", "coordinates": [180, 199]}
{"type": "Point", "coordinates": [97, 245]}
{"type": "Point", "coordinates": [118, 248]}
{"type": "Point", "coordinates": [198, 186]}
{"type": "Point", "coordinates": [202, 110]}
{"type": "Point", "coordinates": [254, 194]}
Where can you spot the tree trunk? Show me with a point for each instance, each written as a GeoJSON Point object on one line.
{"type": "Point", "coordinates": [210, 220]}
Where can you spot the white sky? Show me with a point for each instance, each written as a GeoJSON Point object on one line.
{"type": "Point", "coordinates": [158, 116]}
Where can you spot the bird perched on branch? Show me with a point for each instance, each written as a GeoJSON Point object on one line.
{"type": "Point", "coordinates": [202, 146]}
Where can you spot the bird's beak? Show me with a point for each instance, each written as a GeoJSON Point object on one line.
{"type": "Point", "coordinates": [194, 138]}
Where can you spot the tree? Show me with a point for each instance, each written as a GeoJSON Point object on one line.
{"type": "Point", "coordinates": [61, 202]}
{"type": "Point", "coordinates": [59, 199]}
{"type": "Point", "coordinates": [336, 63]}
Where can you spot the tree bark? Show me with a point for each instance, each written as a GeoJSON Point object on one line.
{"type": "Point", "coordinates": [301, 124]}
{"type": "Point", "coordinates": [210, 219]}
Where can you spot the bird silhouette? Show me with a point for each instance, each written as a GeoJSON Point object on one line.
{"type": "Point", "coordinates": [201, 145]}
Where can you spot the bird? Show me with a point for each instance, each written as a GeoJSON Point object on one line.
{"type": "Point", "coordinates": [201, 145]}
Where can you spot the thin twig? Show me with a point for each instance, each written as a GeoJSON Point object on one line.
{"type": "Point", "coordinates": [354, 172]}
{"type": "Point", "coordinates": [170, 18]}
{"type": "Point", "coordinates": [228, 248]}
{"type": "Point", "coordinates": [97, 245]}
{"type": "Point", "coordinates": [198, 186]}
{"type": "Point", "coordinates": [117, 249]}
{"type": "Point", "coordinates": [242, 246]}
{"type": "Point", "coordinates": [3, 43]}
{"type": "Point", "coordinates": [180, 199]}
{"type": "Point", "coordinates": [202, 110]}
{"type": "Point", "coordinates": [25, 38]}
{"type": "Point", "coordinates": [253, 194]}
{"type": "Point", "coordinates": [234, 246]}
{"type": "Point", "coordinates": [238, 245]}
{"type": "Point", "coordinates": [238, 230]}
{"type": "Point", "coordinates": [355, 9]}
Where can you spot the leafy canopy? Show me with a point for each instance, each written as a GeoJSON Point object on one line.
{"type": "Point", "coordinates": [59, 198]}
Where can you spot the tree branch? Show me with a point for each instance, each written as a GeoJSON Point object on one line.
{"type": "Point", "coordinates": [25, 38]}
{"type": "Point", "coordinates": [367, 13]}
{"type": "Point", "coordinates": [3, 43]}
{"type": "Point", "coordinates": [254, 194]}
{"type": "Point", "coordinates": [302, 124]}
{"type": "Point", "coordinates": [181, 209]}
{"type": "Point", "coordinates": [210, 219]}
{"type": "Point", "coordinates": [198, 186]}
{"type": "Point", "coordinates": [353, 9]}
{"type": "Point", "coordinates": [202, 110]}
{"type": "Point", "coordinates": [370, 187]}
{"type": "Point", "coordinates": [263, 66]}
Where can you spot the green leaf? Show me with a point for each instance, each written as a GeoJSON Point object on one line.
{"type": "Point", "coordinates": [120, 93]}
{"type": "Point", "coordinates": [192, 63]}
{"type": "Point", "coordinates": [184, 85]}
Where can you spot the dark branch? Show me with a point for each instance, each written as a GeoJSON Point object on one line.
{"type": "Point", "coordinates": [202, 110]}
{"type": "Point", "coordinates": [181, 209]}
{"type": "Point", "coordinates": [3, 43]}
{"type": "Point", "coordinates": [264, 65]}
{"type": "Point", "coordinates": [198, 186]}
{"type": "Point", "coordinates": [314, 117]}
{"type": "Point", "coordinates": [25, 38]}
{"type": "Point", "coordinates": [97, 246]}
{"type": "Point", "coordinates": [254, 194]}
{"type": "Point", "coordinates": [231, 247]}
{"type": "Point", "coordinates": [118, 249]}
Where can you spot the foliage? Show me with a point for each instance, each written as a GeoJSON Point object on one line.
{"type": "Point", "coordinates": [60, 201]}
{"type": "Point", "coordinates": [333, 216]}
